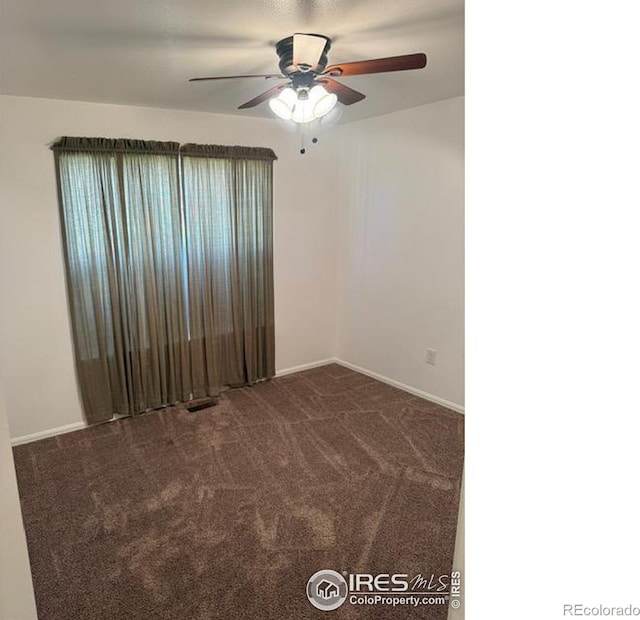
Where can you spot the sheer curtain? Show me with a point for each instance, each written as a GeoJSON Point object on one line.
{"type": "Point", "coordinates": [228, 220]}
{"type": "Point", "coordinates": [169, 278]}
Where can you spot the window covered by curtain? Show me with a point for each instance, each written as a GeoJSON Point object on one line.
{"type": "Point", "coordinates": [169, 271]}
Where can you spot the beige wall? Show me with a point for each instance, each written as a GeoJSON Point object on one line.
{"type": "Point", "coordinates": [35, 344]}
{"type": "Point", "coordinates": [16, 590]}
{"type": "Point", "coordinates": [401, 256]}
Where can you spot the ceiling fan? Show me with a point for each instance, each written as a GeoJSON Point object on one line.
{"type": "Point", "coordinates": [309, 90]}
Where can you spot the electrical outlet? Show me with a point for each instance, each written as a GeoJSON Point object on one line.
{"type": "Point", "coordinates": [431, 357]}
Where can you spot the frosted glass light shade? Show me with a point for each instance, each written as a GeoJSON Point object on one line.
{"type": "Point", "coordinates": [303, 111]}
{"type": "Point", "coordinates": [282, 105]}
{"type": "Point", "coordinates": [323, 102]}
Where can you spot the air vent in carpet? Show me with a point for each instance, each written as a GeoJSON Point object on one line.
{"type": "Point", "coordinates": [201, 404]}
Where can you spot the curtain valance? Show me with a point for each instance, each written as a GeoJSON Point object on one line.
{"type": "Point", "coordinates": [121, 145]}
{"type": "Point", "coordinates": [126, 145]}
{"type": "Point", "coordinates": [227, 152]}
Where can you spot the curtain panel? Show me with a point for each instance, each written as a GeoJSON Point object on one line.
{"type": "Point", "coordinates": [169, 264]}
{"type": "Point", "coordinates": [228, 223]}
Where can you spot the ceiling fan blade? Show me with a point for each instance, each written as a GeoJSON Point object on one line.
{"type": "Point", "coordinates": [263, 97]}
{"type": "Point", "coordinates": [346, 95]}
{"type": "Point", "coordinates": [233, 77]}
{"type": "Point", "coordinates": [378, 65]}
{"type": "Point", "coordinates": [308, 49]}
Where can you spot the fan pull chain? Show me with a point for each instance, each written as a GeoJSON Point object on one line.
{"type": "Point", "coordinates": [303, 148]}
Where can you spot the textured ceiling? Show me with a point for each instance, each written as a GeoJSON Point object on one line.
{"type": "Point", "coordinates": [142, 52]}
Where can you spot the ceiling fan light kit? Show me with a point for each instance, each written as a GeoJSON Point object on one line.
{"type": "Point", "coordinates": [304, 105]}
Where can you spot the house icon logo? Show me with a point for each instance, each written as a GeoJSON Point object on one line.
{"type": "Point", "coordinates": [327, 590]}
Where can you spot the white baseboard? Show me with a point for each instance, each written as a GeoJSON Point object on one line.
{"type": "Point", "coordinates": [16, 441]}
{"type": "Point", "coordinates": [288, 371]}
{"type": "Point", "coordinates": [402, 386]}
{"type": "Point", "coordinates": [59, 430]}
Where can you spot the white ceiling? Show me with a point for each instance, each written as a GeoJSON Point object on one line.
{"type": "Point", "coordinates": [142, 52]}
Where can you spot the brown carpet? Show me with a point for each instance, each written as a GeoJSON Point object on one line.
{"type": "Point", "coordinates": [227, 512]}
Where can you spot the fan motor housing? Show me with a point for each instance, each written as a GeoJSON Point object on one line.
{"type": "Point", "coordinates": [284, 49]}
{"type": "Point", "coordinates": [302, 80]}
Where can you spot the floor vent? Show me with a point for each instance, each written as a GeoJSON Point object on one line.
{"type": "Point", "coordinates": [202, 404]}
